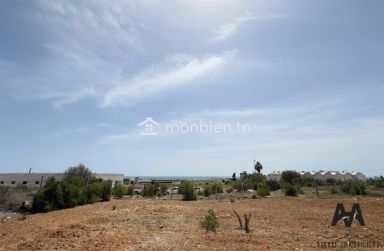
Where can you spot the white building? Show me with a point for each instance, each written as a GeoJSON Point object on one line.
{"type": "Point", "coordinates": [35, 180]}
{"type": "Point", "coordinates": [323, 175]}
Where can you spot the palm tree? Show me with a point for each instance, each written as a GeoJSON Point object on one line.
{"type": "Point", "coordinates": [258, 166]}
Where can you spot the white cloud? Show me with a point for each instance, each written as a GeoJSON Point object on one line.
{"type": "Point", "coordinates": [228, 29]}
{"type": "Point", "coordinates": [179, 74]}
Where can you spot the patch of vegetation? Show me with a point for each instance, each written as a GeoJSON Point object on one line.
{"type": "Point", "coordinates": [77, 188]}
{"type": "Point", "coordinates": [163, 189]}
{"type": "Point", "coordinates": [354, 188]}
{"type": "Point", "coordinates": [118, 191]}
{"type": "Point", "coordinates": [273, 185]}
{"type": "Point", "coordinates": [229, 190]}
{"type": "Point", "coordinates": [207, 190]}
{"type": "Point", "coordinates": [378, 182]}
{"type": "Point", "coordinates": [150, 190]}
{"type": "Point", "coordinates": [216, 188]}
{"type": "Point", "coordinates": [210, 222]}
{"type": "Point", "coordinates": [188, 191]}
{"type": "Point", "coordinates": [291, 177]}
{"type": "Point", "coordinates": [130, 190]}
{"type": "Point", "coordinates": [290, 190]}
{"type": "Point", "coordinates": [263, 190]}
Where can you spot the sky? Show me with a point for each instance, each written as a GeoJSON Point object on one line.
{"type": "Point", "coordinates": [199, 88]}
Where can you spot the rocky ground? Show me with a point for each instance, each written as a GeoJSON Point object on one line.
{"type": "Point", "coordinates": [277, 223]}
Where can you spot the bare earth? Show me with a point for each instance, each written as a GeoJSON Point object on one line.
{"type": "Point", "coordinates": [277, 223]}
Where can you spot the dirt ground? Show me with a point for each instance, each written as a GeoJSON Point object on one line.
{"type": "Point", "coordinates": [277, 223]}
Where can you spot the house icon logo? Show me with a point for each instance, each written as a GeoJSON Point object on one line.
{"type": "Point", "coordinates": [149, 126]}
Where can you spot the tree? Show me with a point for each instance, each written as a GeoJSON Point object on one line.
{"type": "Point", "coordinates": [258, 166]}
{"type": "Point", "coordinates": [118, 191]}
{"type": "Point", "coordinates": [79, 170]}
{"type": "Point", "coordinates": [106, 190]}
{"type": "Point", "coordinates": [234, 177]}
{"type": "Point", "coordinates": [188, 192]}
{"type": "Point", "coordinates": [291, 177]}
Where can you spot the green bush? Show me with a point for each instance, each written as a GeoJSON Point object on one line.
{"type": "Point", "coordinates": [210, 222]}
{"type": "Point", "coordinates": [75, 189]}
{"type": "Point", "coordinates": [39, 202]}
{"type": "Point", "coordinates": [354, 187]}
{"type": "Point", "coordinates": [188, 191]}
{"type": "Point", "coordinates": [229, 190]}
{"type": "Point", "coordinates": [216, 188]}
{"type": "Point", "coordinates": [263, 190]}
{"type": "Point", "coordinates": [291, 177]}
{"type": "Point", "coordinates": [207, 191]}
{"type": "Point", "coordinates": [273, 185]}
{"type": "Point", "coordinates": [118, 191]}
{"type": "Point", "coordinates": [163, 189]}
{"type": "Point", "coordinates": [307, 181]}
{"type": "Point", "coordinates": [331, 181]}
{"type": "Point", "coordinates": [290, 190]}
{"type": "Point", "coordinates": [106, 190]}
{"type": "Point", "coordinates": [253, 180]}
{"type": "Point", "coordinates": [130, 190]}
{"type": "Point", "coordinates": [378, 182]}
{"type": "Point", "coordinates": [150, 190]}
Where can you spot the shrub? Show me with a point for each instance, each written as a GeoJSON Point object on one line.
{"type": "Point", "coordinates": [207, 190]}
{"type": "Point", "coordinates": [216, 188]}
{"type": "Point", "coordinates": [80, 171]}
{"type": "Point", "coordinates": [188, 191]}
{"type": "Point", "coordinates": [263, 190]}
{"type": "Point", "coordinates": [229, 190]}
{"type": "Point", "coordinates": [163, 189]}
{"type": "Point", "coordinates": [354, 188]}
{"type": "Point", "coordinates": [113, 208]}
{"type": "Point", "coordinates": [150, 190]}
{"type": "Point", "coordinates": [118, 191]}
{"type": "Point", "coordinates": [331, 181]}
{"type": "Point", "coordinates": [291, 177]}
{"type": "Point", "coordinates": [210, 222]}
{"type": "Point", "coordinates": [130, 190]}
{"type": "Point", "coordinates": [253, 180]}
{"type": "Point", "coordinates": [240, 185]}
{"type": "Point", "coordinates": [273, 185]}
{"type": "Point", "coordinates": [106, 190]}
{"type": "Point", "coordinates": [75, 189]}
{"type": "Point", "coordinates": [378, 182]}
{"type": "Point", "coordinates": [307, 181]}
{"type": "Point", "coordinates": [290, 190]}
{"type": "Point", "coordinates": [39, 202]}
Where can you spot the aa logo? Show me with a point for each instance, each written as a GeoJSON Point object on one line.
{"type": "Point", "coordinates": [348, 216]}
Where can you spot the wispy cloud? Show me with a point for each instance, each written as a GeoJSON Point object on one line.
{"type": "Point", "coordinates": [152, 83]}
{"type": "Point", "coordinates": [228, 29]}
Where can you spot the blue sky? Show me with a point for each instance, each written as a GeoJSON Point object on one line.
{"type": "Point", "coordinates": [78, 77]}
